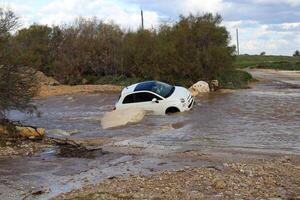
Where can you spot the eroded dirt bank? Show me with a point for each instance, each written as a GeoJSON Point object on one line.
{"type": "Point", "coordinates": [47, 91]}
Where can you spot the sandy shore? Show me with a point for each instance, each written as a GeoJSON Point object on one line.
{"type": "Point", "coordinates": [46, 91]}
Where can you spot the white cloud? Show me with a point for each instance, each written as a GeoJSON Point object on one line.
{"type": "Point", "coordinates": [289, 2]}
{"type": "Point", "coordinates": [192, 6]}
{"type": "Point", "coordinates": [65, 11]}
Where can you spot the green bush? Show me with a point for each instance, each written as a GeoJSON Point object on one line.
{"type": "Point", "coordinates": [234, 79]}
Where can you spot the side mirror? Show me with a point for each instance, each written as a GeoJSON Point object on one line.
{"type": "Point", "coordinates": [154, 100]}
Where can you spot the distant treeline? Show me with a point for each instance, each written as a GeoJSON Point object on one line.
{"type": "Point", "coordinates": [196, 47]}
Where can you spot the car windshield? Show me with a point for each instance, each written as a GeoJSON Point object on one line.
{"type": "Point", "coordinates": [163, 89]}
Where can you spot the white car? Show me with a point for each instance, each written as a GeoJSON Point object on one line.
{"type": "Point", "coordinates": [157, 97]}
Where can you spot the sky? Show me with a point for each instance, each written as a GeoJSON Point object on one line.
{"type": "Point", "coordinates": [272, 26]}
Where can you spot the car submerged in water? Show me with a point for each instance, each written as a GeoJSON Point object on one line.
{"type": "Point", "coordinates": [157, 97]}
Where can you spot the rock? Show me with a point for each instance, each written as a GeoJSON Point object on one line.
{"type": "Point", "coordinates": [30, 132]}
{"type": "Point", "coordinates": [8, 143]}
{"type": "Point", "coordinates": [63, 132]}
{"type": "Point", "coordinates": [122, 117]}
{"type": "Point", "coordinates": [199, 87]}
{"type": "Point", "coordinates": [219, 184]}
{"type": "Point", "coordinates": [214, 85]}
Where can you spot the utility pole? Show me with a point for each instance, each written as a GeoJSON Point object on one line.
{"type": "Point", "coordinates": [142, 17]}
{"type": "Point", "coordinates": [237, 42]}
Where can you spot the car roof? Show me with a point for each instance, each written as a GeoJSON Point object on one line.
{"type": "Point", "coordinates": [145, 86]}
{"type": "Point", "coordinates": [142, 86]}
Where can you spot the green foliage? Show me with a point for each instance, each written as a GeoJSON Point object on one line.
{"type": "Point", "coordinates": [268, 62]}
{"type": "Point", "coordinates": [32, 47]}
{"type": "Point", "coordinates": [282, 65]}
{"type": "Point", "coordinates": [196, 47]}
{"type": "Point", "coordinates": [234, 79]}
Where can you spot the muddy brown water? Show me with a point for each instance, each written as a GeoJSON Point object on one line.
{"type": "Point", "coordinates": [264, 119]}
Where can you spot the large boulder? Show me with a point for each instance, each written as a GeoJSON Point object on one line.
{"type": "Point", "coordinates": [199, 87]}
{"type": "Point", "coordinates": [122, 117]}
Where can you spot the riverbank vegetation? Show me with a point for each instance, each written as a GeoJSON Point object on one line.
{"type": "Point", "coordinates": [90, 51]}
{"type": "Point", "coordinates": [268, 62]}
{"type": "Point", "coordinates": [17, 82]}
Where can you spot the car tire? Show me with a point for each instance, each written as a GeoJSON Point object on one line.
{"type": "Point", "coordinates": [172, 110]}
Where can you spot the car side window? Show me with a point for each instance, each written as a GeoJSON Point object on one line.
{"type": "Point", "coordinates": [129, 99]}
{"type": "Point", "coordinates": [145, 96]}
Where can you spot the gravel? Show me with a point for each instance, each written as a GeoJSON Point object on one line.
{"type": "Point", "coordinates": [260, 179]}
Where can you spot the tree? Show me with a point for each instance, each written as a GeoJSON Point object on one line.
{"type": "Point", "coordinates": [263, 53]}
{"type": "Point", "coordinates": [17, 83]}
{"type": "Point", "coordinates": [8, 21]}
{"type": "Point", "coordinates": [32, 47]}
{"type": "Point", "coordinates": [297, 53]}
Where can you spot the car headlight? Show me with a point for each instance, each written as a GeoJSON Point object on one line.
{"type": "Point", "coordinates": [182, 100]}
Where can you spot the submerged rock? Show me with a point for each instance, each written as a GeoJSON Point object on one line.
{"type": "Point", "coordinates": [122, 117]}
{"type": "Point", "coordinates": [61, 132]}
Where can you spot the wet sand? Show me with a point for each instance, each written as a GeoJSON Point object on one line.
{"type": "Point", "coordinates": [47, 91]}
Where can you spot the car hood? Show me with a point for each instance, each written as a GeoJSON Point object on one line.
{"type": "Point", "coordinates": [180, 92]}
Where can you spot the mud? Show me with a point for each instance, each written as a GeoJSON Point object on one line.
{"type": "Point", "coordinates": [259, 123]}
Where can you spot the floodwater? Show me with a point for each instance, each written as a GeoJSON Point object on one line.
{"type": "Point", "coordinates": [264, 119]}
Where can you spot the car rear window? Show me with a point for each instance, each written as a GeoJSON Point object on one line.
{"type": "Point", "coordinates": [129, 99]}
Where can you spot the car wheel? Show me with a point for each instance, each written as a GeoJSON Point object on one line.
{"type": "Point", "coordinates": [172, 110]}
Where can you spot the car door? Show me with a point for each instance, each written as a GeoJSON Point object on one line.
{"type": "Point", "coordinates": [144, 100]}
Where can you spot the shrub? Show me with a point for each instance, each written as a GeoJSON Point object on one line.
{"type": "Point", "coordinates": [233, 79]}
